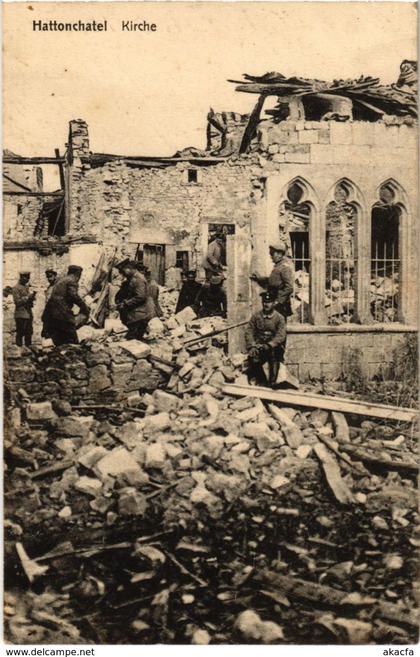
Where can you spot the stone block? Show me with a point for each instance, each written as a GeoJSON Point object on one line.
{"type": "Point", "coordinates": [72, 427]}
{"type": "Point", "coordinates": [155, 326]}
{"type": "Point", "coordinates": [308, 137]}
{"type": "Point", "coordinates": [186, 316]}
{"type": "Point", "coordinates": [88, 485]}
{"type": "Point", "coordinates": [131, 433]}
{"type": "Point", "coordinates": [131, 502]}
{"type": "Point", "coordinates": [363, 133]}
{"type": "Point", "coordinates": [158, 422]}
{"type": "Point", "coordinates": [136, 348]}
{"type": "Point", "coordinates": [164, 401]}
{"type": "Point", "coordinates": [155, 456]}
{"type": "Point", "coordinates": [40, 411]}
{"type": "Point", "coordinates": [92, 456]}
{"type": "Point", "coordinates": [120, 462]}
{"type": "Point", "coordinates": [340, 133]}
{"type": "Point", "coordinates": [323, 136]}
{"type": "Point", "coordinates": [99, 379]}
{"type": "Point", "coordinates": [299, 154]}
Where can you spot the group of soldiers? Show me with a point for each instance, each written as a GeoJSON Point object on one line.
{"type": "Point", "coordinates": [137, 302]}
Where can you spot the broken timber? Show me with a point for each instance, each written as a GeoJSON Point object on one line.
{"type": "Point", "coordinates": [312, 400]}
{"type": "Point", "coordinates": [333, 476]}
{"type": "Point", "coordinates": [327, 595]}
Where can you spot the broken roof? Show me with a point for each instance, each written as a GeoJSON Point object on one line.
{"type": "Point", "coordinates": [398, 99]}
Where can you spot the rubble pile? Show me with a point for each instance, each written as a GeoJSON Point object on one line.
{"type": "Point", "coordinates": [195, 517]}
{"type": "Point", "coordinates": [107, 368]}
{"type": "Point", "coordinates": [384, 298]}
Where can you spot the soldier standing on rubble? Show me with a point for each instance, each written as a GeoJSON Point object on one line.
{"type": "Point", "coordinates": [189, 290]}
{"type": "Point", "coordinates": [265, 338]}
{"type": "Point", "coordinates": [133, 300]}
{"type": "Point", "coordinates": [59, 320]}
{"type": "Point", "coordinates": [24, 300]}
{"type": "Point", "coordinates": [51, 276]}
{"type": "Point", "coordinates": [211, 299]}
{"type": "Point", "coordinates": [281, 280]}
{"type": "Point", "coordinates": [214, 258]}
{"type": "Point", "coordinates": [153, 291]}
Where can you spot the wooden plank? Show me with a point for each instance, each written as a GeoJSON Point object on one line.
{"type": "Point", "coordinates": [341, 491]}
{"type": "Point", "coordinates": [251, 127]}
{"type": "Point", "coordinates": [39, 194]}
{"type": "Point", "coordinates": [342, 433]}
{"type": "Point", "coordinates": [33, 160]}
{"type": "Point", "coordinates": [327, 595]}
{"type": "Point", "coordinates": [361, 455]}
{"type": "Point", "coordinates": [290, 430]}
{"type": "Point", "coordinates": [312, 400]}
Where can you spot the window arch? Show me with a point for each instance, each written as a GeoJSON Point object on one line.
{"type": "Point", "coordinates": [341, 219]}
{"type": "Point", "coordinates": [386, 230]}
{"type": "Point", "coordinates": [295, 219]}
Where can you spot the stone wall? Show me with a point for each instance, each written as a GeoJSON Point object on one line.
{"type": "Point", "coordinates": [314, 354]}
{"type": "Point", "coordinates": [89, 373]}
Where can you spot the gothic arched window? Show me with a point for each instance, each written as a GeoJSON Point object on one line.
{"type": "Point", "coordinates": [341, 256]}
{"type": "Point", "coordinates": [385, 254]}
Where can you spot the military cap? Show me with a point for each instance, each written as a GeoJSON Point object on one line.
{"type": "Point", "coordinates": [74, 269]}
{"type": "Point", "coordinates": [122, 264]}
{"type": "Point", "coordinates": [216, 279]}
{"type": "Point", "coordinates": [50, 271]}
{"type": "Point", "coordinates": [279, 246]}
{"type": "Point", "coordinates": [268, 296]}
{"type": "Point", "coordinates": [24, 273]}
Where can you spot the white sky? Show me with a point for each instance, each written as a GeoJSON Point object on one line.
{"type": "Point", "coordinates": [148, 94]}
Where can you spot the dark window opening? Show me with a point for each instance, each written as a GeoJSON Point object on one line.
{"type": "Point", "coordinates": [55, 215]}
{"type": "Point", "coordinates": [223, 230]}
{"type": "Point", "coordinates": [181, 261]}
{"type": "Point", "coordinates": [385, 260]}
{"type": "Point", "coordinates": [299, 242]}
{"type": "Point", "coordinates": [139, 257]}
{"type": "Point", "coordinates": [18, 209]}
{"type": "Point", "coordinates": [192, 175]}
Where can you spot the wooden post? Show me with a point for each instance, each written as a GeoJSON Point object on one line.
{"type": "Point", "coordinates": [238, 288]}
{"type": "Point", "coordinates": [317, 229]}
{"type": "Point", "coordinates": [363, 252]}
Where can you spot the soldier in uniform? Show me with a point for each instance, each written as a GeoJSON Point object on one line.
{"type": "Point", "coordinates": [133, 300]}
{"type": "Point", "coordinates": [214, 258]}
{"type": "Point", "coordinates": [265, 339]}
{"type": "Point", "coordinates": [211, 299]}
{"type": "Point", "coordinates": [189, 290]}
{"type": "Point", "coordinates": [281, 280]}
{"type": "Point", "coordinates": [51, 277]}
{"type": "Point", "coordinates": [24, 300]}
{"type": "Point", "coordinates": [153, 291]}
{"type": "Point", "coordinates": [59, 320]}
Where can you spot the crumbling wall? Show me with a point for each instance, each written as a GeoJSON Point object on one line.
{"type": "Point", "coordinates": [21, 216]}
{"type": "Point", "coordinates": [101, 373]}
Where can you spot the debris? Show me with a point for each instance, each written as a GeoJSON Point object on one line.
{"type": "Point", "coordinates": [344, 405]}
{"type": "Point", "coordinates": [31, 568]}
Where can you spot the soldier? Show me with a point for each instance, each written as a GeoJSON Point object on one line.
{"type": "Point", "coordinates": [189, 290]}
{"type": "Point", "coordinates": [59, 320]}
{"type": "Point", "coordinates": [211, 299]}
{"type": "Point", "coordinates": [213, 261]}
{"type": "Point", "coordinates": [51, 276]}
{"type": "Point", "coordinates": [134, 303]}
{"type": "Point", "coordinates": [24, 300]}
{"type": "Point", "coordinates": [153, 291]}
{"type": "Point", "coordinates": [281, 279]}
{"type": "Point", "coordinates": [265, 338]}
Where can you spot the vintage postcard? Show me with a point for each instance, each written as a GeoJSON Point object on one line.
{"type": "Point", "coordinates": [210, 266]}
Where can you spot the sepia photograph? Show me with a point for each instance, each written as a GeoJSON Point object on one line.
{"type": "Point", "coordinates": [210, 324]}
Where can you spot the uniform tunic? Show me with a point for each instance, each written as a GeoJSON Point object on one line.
{"type": "Point", "coordinates": [281, 283]}
{"type": "Point", "coordinates": [58, 318]}
{"type": "Point", "coordinates": [187, 295]}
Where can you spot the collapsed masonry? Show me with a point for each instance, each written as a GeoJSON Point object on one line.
{"type": "Point", "coordinates": [329, 170]}
{"type": "Point", "coordinates": [140, 498]}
